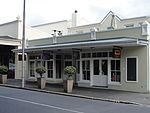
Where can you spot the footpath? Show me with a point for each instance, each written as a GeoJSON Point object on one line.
{"type": "Point", "coordinates": [96, 93]}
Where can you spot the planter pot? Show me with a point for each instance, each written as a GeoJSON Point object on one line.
{"type": "Point", "coordinates": [41, 82]}
{"type": "Point", "coordinates": [3, 79]}
{"type": "Point", "coordinates": [68, 85]}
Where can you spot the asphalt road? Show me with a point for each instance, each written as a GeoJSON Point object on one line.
{"type": "Point", "coordinates": [24, 101]}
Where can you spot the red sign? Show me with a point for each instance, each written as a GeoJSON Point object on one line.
{"type": "Point", "coordinates": [116, 53]}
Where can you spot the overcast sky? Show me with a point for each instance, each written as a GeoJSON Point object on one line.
{"type": "Point", "coordinates": [43, 11]}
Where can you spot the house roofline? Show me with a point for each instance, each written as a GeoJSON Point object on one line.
{"type": "Point", "coordinates": [49, 23]}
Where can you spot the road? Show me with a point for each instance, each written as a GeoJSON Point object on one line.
{"type": "Point", "coordinates": [24, 101]}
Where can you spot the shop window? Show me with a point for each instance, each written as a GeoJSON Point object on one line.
{"type": "Point", "coordinates": [38, 64]}
{"type": "Point", "coordinates": [76, 55]}
{"type": "Point", "coordinates": [86, 55]}
{"type": "Point", "coordinates": [131, 65]}
{"type": "Point", "coordinates": [104, 54]}
{"type": "Point", "coordinates": [50, 69]}
{"type": "Point", "coordinates": [100, 54]}
{"type": "Point", "coordinates": [67, 56]}
{"type": "Point", "coordinates": [110, 54]}
{"type": "Point", "coordinates": [58, 57]}
{"type": "Point", "coordinates": [115, 71]}
{"type": "Point", "coordinates": [86, 69]}
{"type": "Point", "coordinates": [68, 63]}
{"type": "Point", "coordinates": [32, 69]}
{"type": "Point", "coordinates": [47, 56]}
{"type": "Point", "coordinates": [36, 57]}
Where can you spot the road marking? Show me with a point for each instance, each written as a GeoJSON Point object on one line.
{"type": "Point", "coordinates": [45, 105]}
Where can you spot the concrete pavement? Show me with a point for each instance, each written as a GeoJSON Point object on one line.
{"type": "Point", "coordinates": [91, 93]}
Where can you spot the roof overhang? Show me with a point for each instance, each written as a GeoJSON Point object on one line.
{"type": "Point", "coordinates": [8, 40]}
{"type": "Point", "coordinates": [101, 43]}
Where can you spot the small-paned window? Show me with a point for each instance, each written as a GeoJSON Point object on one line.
{"type": "Point", "coordinates": [86, 69]}
{"type": "Point", "coordinates": [76, 55]}
{"type": "Point", "coordinates": [50, 69]}
{"type": "Point", "coordinates": [67, 56]}
{"type": "Point", "coordinates": [110, 54]}
{"type": "Point", "coordinates": [131, 65]}
{"type": "Point", "coordinates": [58, 57]}
{"type": "Point", "coordinates": [86, 55]}
{"type": "Point", "coordinates": [47, 56]}
{"type": "Point", "coordinates": [100, 54]}
{"type": "Point", "coordinates": [32, 68]}
{"type": "Point", "coordinates": [37, 57]}
{"type": "Point", "coordinates": [115, 70]}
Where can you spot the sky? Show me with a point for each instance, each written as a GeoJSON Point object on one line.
{"type": "Point", "coordinates": [46, 11]}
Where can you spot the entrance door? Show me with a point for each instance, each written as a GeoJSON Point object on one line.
{"type": "Point", "coordinates": [100, 72]}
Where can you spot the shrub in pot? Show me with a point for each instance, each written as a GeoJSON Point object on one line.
{"type": "Point", "coordinates": [41, 80]}
{"type": "Point", "coordinates": [3, 74]}
{"type": "Point", "coordinates": [68, 82]}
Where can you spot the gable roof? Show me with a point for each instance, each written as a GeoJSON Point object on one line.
{"type": "Point", "coordinates": [108, 14]}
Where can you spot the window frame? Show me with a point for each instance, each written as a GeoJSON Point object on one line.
{"type": "Point", "coordinates": [109, 74]}
{"type": "Point", "coordinates": [85, 60]}
{"type": "Point", "coordinates": [136, 57]}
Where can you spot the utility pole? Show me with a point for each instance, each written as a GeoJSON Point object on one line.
{"type": "Point", "coordinates": [23, 45]}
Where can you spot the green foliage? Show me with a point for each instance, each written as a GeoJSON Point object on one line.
{"type": "Point", "coordinates": [41, 70]}
{"type": "Point", "coordinates": [3, 69]}
{"type": "Point", "coordinates": [70, 71]}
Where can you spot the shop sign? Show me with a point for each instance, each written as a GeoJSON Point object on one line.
{"type": "Point", "coordinates": [116, 53]}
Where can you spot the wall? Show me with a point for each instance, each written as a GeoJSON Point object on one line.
{"type": "Point", "coordinates": [126, 32]}
{"type": "Point", "coordinates": [59, 26]}
{"type": "Point", "coordinates": [9, 29]}
{"type": "Point", "coordinates": [142, 84]}
{"type": "Point", "coordinates": [32, 33]}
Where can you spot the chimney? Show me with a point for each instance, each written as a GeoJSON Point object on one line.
{"type": "Point", "coordinates": [75, 18]}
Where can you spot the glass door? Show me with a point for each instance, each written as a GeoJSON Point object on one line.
{"type": "Point", "coordinates": [100, 72]}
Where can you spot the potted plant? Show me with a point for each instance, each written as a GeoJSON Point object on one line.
{"type": "Point", "coordinates": [3, 74]}
{"type": "Point", "coordinates": [41, 80]}
{"type": "Point", "coordinates": [68, 82]}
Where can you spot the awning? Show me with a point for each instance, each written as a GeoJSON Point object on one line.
{"type": "Point", "coordinates": [100, 43]}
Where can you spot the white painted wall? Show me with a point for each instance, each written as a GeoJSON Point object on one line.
{"type": "Point", "coordinates": [59, 26]}
{"type": "Point", "coordinates": [10, 29]}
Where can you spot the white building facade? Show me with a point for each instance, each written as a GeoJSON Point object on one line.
{"type": "Point", "coordinates": [113, 53]}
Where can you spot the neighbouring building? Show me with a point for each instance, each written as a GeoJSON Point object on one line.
{"type": "Point", "coordinates": [10, 38]}
{"type": "Point", "coordinates": [114, 53]}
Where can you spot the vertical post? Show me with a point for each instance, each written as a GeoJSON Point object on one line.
{"type": "Point", "coordinates": [23, 44]}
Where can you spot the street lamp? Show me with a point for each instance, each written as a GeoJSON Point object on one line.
{"type": "Point", "coordinates": [23, 44]}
